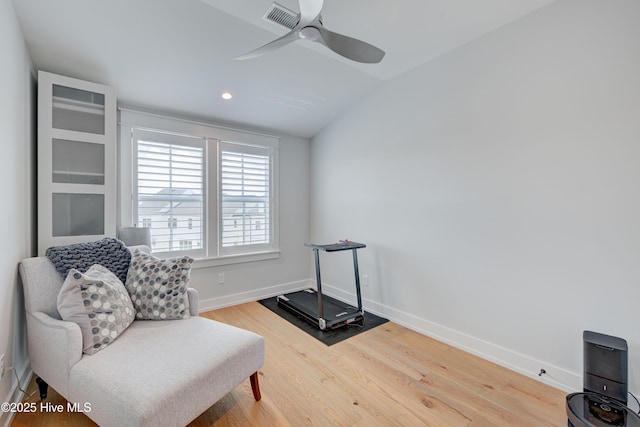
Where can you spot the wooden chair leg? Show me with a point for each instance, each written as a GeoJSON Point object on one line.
{"type": "Point", "coordinates": [43, 387]}
{"type": "Point", "coordinates": [255, 386]}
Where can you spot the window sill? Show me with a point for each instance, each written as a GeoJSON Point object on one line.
{"type": "Point", "coordinates": [235, 259]}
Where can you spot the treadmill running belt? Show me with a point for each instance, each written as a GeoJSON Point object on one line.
{"type": "Point", "coordinates": [305, 303]}
{"type": "Point", "coordinates": [309, 302]}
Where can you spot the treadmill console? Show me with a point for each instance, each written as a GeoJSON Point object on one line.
{"type": "Point", "coordinates": [342, 245]}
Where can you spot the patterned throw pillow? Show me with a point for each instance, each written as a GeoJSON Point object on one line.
{"type": "Point", "coordinates": [99, 303]}
{"type": "Point", "coordinates": [158, 287]}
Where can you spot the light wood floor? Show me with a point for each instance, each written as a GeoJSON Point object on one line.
{"type": "Point", "coordinates": [388, 376]}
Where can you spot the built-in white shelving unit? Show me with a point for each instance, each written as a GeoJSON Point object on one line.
{"type": "Point", "coordinates": [76, 161]}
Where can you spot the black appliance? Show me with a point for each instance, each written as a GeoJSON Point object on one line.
{"type": "Point", "coordinates": [603, 402]}
{"type": "Point", "coordinates": [595, 410]}
{"type": "Point", "coordinates": [605, 365]}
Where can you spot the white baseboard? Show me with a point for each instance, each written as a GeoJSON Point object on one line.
{"type": "Point", "coordinates": [555, 376]}
{"type": "Point", "coordinates": [258, 294]}
{"type": "Point", "coordinates": [15, 395]}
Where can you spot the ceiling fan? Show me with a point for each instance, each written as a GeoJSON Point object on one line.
{"type": "Point", "coordinates": [310, 27]}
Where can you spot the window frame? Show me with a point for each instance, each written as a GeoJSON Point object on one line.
{"type": "Point", "coordinates": [131, 120]}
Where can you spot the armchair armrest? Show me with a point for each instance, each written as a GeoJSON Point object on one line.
{"type": "Point", "coordinates": [192, 294]}
{"type": "Point", "coordinates": [54, 347]}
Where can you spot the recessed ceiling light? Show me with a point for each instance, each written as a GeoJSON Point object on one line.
{"type": "Point", "coordinates": [227, 95]}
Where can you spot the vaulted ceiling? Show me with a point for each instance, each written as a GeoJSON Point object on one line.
{"type": "Point", "coordinates": [176, 56]}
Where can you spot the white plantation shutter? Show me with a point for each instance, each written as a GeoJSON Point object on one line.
{"type": "Point", "coordinates": [216, 201]}
{"type": "Point", "coordinates": [245, 197]}
{"type": "Point", "coordinates": [170, 191]}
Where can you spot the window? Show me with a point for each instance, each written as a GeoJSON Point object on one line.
{"type": "Point", "coordinates": [169, 189]}
{"type": "Point", "coordinates": [245, 196]}
{"type": "Point", "coordinates": [204, 191]}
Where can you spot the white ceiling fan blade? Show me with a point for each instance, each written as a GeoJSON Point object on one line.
{"type": "Point", "coordinates": [350, 48]}
{"type": "Point", "coordinates": [309, 11]}
{"type": "Point", "coordinates": [271, 46]}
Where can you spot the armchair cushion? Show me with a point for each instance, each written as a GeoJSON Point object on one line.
{"type": "Point", "coordinates": [164, 373]}
{"type": "Point", "coordinates": [99, 303]}
{"type": "Point", "coordinates": [158, 287]}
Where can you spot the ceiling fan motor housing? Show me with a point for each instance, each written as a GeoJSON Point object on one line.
{"type": "Point", "coordinates": [309, 33]}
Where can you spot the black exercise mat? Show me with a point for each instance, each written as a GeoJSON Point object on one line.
{"type": "Point", "coordinates": [329, 337]}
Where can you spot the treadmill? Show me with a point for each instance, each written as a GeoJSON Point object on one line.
{"type": "Point", "coordinates": [321, 310]}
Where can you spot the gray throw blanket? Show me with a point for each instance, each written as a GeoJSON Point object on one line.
{"type": "Point", "coordinates": [109, 252]}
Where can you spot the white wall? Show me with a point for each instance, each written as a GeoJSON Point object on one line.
{"type": "Point", "coordinates": [497, 190]}
{"type": "Point", "coordinates": [256, 280]}
{"type": "Point", "coordinates": [16, 217]}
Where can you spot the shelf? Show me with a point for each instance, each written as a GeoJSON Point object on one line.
{"type": "Point", "coordinates": [79, 136]}
{"type": "Point", "coordinates": [72, 188]}
{"type": "Point", "coordinates": [80, 106]}
{"type": "Point", "coordinates": [78, 173]}
{"type": "Point", "coordinates": [72, 177]}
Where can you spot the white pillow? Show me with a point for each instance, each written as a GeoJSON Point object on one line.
{"type": "Point", "coordinates": [99, 303]}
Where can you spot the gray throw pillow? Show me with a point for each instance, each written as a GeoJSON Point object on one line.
{"type": "Point", "coordinates": [158, 287]}
{"type": "Point", "coordinates": [108, 252]}
{"type": "Point", "coordinates": [99, 303]}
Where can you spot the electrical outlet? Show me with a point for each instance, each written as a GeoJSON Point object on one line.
{"type": "Point", "coordinates": [2, 365]}
{"type": "Point", "coordinates": [365, 280]}
{"type": "Point", "coordinates": [220, 278]}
